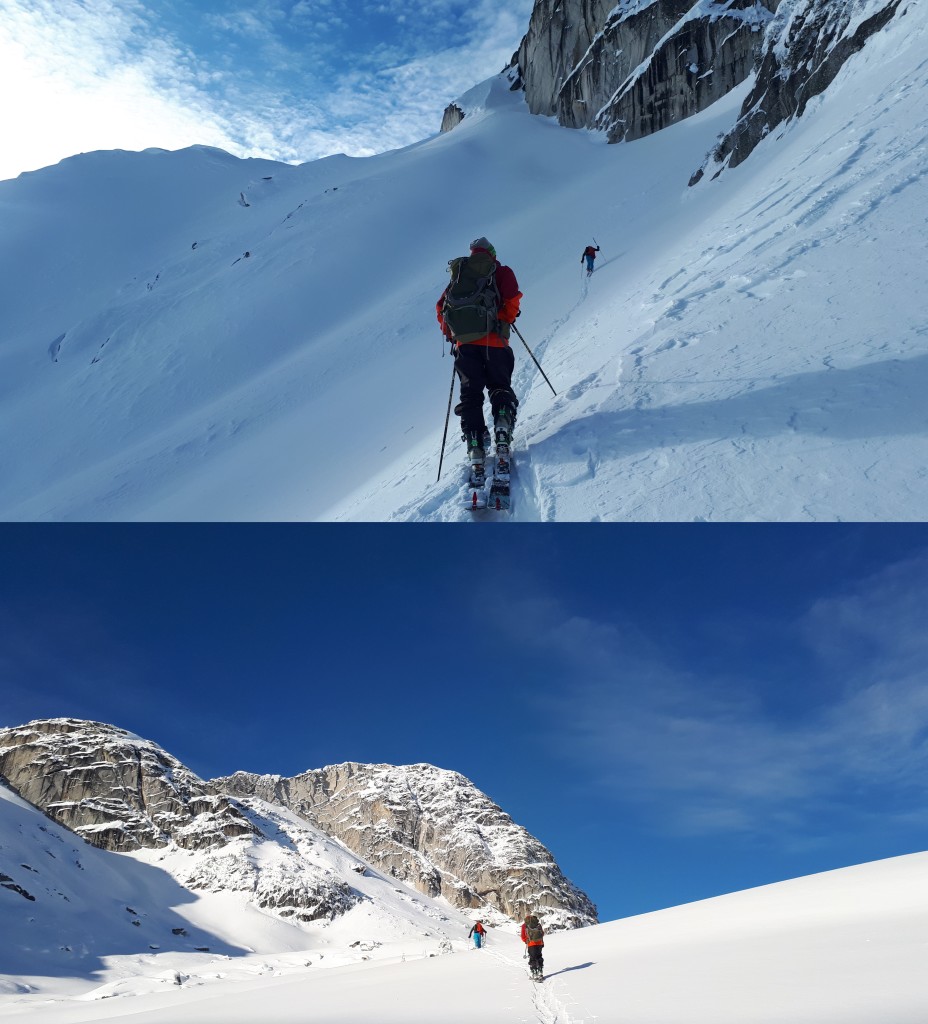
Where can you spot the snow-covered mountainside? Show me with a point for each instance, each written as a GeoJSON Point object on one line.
{"type": "Point", "coordinates": [433, 829]}
{"type": "Point", "coordinates": [97, 924]}
{"type": "Point", "coordinates": [184, 334]}
{"type": "Point", "coordinates": [420, 825]}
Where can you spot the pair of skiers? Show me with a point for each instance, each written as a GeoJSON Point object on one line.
{"type": "Point", "coordinates": [476, 312]}
{"type": "Point", "coordinates": [532, 934]}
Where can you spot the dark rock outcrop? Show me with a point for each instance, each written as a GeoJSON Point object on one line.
{"type": "Point", "coordinates": [804, 48]}
{"type": "Point", "coordinates": [632, 68]}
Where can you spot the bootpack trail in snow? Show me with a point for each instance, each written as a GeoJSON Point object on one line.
{"type": "Point", "coordinates": [547, 1007]}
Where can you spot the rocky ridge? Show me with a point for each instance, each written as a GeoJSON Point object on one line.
{"type": "Point", "coordinates": [804, 48]}
{"type": "Point", "coordinates": [634, 67]}
{"type": "Point", "coordinates": [432, 829]}
{"type": "Point", "coordinates": [256, 834]}
{"type": "Point", "coordinates": [114, 789]}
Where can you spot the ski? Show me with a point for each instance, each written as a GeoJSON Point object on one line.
{"type": "Point", "coordinates": [492, 491]}
{"type": "Point", "coordinates": [474, 495]}
{"type": "Point", "coordinates": [500, 496]}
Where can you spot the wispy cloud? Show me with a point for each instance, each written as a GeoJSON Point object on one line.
{"type": "Point", "coordinates": [261, 79]}
{"type": "Point", "coordinates": [717, 752]}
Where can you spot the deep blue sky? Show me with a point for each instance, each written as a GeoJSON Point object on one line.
{"type": "Point", "coordinates": [676, 711]}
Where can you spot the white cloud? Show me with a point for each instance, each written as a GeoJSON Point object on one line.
{"type": "Point", "coordinates": [89, 78]}
{"type": "Point", "coordinates": [722, 753]}
{"type": "Point", "coordinates": [109, 75]}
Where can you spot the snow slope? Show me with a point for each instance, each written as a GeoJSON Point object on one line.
{"type": "Point", "coordinates": [846, 946]}
{"type": "Point", "coordinates": [89, 924]}
{"type": "Point", "coordinates": [753, 348]}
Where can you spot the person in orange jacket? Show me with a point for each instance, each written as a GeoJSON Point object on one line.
{"type": "Point", "coordinates": [475, 312]}
{"type": "Point", "coordinates": [533, 935]}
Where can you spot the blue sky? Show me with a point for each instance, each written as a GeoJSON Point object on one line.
{"type": "Point", "coordinates": [675, 711]}
{"type": "Point", "coordinates": [292, 80]}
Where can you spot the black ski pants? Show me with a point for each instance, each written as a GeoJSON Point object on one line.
{"type": "Point", "coordinates": [481, 367]}
{"type": "Point", "coordinates": [536, 961]}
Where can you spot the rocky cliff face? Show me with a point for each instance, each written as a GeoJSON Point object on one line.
{"type": "Point", "coordinates": [113, 789]}
{"type": "Point", "coordinates": [634, 67]}
{"type": "Point", "coordinates": [430, 828]}
{"type": "Point", "coordinates": [803, 50]}
{"type": "Point", "coordinates": [452, 117]}
{"type": "Point", "coordinates": [419, 824]}
{"type": "Point", "coordinates": [122, 793]}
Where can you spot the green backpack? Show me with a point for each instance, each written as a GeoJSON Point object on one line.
{"type": "Point", "coordinates": [533, 929]}
{"type": "Point", "coordinates": [471, 303]}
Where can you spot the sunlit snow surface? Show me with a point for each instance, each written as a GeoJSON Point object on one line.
{"type": "Point", "coordinates": [846, 946]}
{"type": "Point", "coordinates": [754, 348]}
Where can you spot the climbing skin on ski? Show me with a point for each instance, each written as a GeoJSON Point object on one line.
{"type": "Point", "coordinates": [474, 494]}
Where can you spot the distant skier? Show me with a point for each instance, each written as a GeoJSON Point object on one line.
{"type": "Point", "coordinates": [475, 312]}
{"type": "Point", "coordinates": [533, 935]}
{"type": "Point", "coordinates": [478, 932]}
{"type": "Point", "coordinates": [589, 254]}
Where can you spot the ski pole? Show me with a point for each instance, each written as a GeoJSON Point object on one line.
{"type": "Point", "coordinates": [534, 360]}
{"type": "Point", "coordinates": [444, 436]}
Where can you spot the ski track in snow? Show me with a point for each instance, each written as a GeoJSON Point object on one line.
{"type": "Point", "coordinates": [547, 1007]}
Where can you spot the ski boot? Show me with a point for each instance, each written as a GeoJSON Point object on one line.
{"type": "Point", "coordinates": [477, 456]}
{"type": "Point", "coordinates": [503, 425]}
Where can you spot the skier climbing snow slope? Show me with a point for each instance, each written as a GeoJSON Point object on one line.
{"type": "Point", "coordinates": [754, 347]}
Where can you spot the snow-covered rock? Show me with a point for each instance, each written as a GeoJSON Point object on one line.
{"type": "Point", "coordinates": [452, 117]}
{"type": "Point", "coordinates": [114, 789]}
{"type": "Point", "coordinates": [636, 67]}
{"type": "Point", "coordinates": [258, 835]}
{"type": "Point", "coordinates": [432, 829]}
{"type": "Point", "coordinates": [804, 48]}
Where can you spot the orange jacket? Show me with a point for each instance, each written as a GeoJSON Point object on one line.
{"type": "Point", "coordinates": [509, 295]}
{"type": "Point", "coordinates": [540, 942]}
